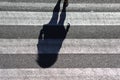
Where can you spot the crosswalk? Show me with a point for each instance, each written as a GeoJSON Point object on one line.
{"type": "Point", "coordinates": [80, 46]}
{"type": "Point", "coordinates": [90, 50]}
{"type": "Point", "coordinates": [59, 74]}
{"type": "Point", "coordinates": [84, 18]}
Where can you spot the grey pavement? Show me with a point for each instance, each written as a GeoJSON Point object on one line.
{"type": "Point", "coordinates": [19, 61]}
{"type": "Point", "coordinates": [75, 32]}
{"type": "Point", "coordinates": [73, 7]}
{"type": "Point", "coordinates": [71, 1]}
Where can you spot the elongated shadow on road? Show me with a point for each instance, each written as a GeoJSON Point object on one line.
{"type": "Point", "coordinates": [51, 38]}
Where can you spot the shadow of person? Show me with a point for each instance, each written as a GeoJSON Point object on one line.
{"type": "Point", "coordinates": [51, 37]}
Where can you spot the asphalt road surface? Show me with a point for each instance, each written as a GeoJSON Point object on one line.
{"type": "Point", "coordinates": [89, 50]}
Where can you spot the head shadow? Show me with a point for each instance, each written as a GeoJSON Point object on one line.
{"type": "Point", "coordinates": [51, 37]}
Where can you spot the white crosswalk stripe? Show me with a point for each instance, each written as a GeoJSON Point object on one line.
{"type": "Point", "coordinates": [71, 46]}
{"type": "Point", "coordinates": [61, 74]}
{"type": "Point", "coordinates": [84, 18]}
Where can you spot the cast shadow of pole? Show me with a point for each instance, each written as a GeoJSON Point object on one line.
{"type": "Point", "coordinates": [51, 37]}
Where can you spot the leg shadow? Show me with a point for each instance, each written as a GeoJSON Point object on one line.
{"type": "Point", "coordinates": [51, 38]}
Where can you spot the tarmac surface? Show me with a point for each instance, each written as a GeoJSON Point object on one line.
{"type": "Point", "coordinates": [88, 50]}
